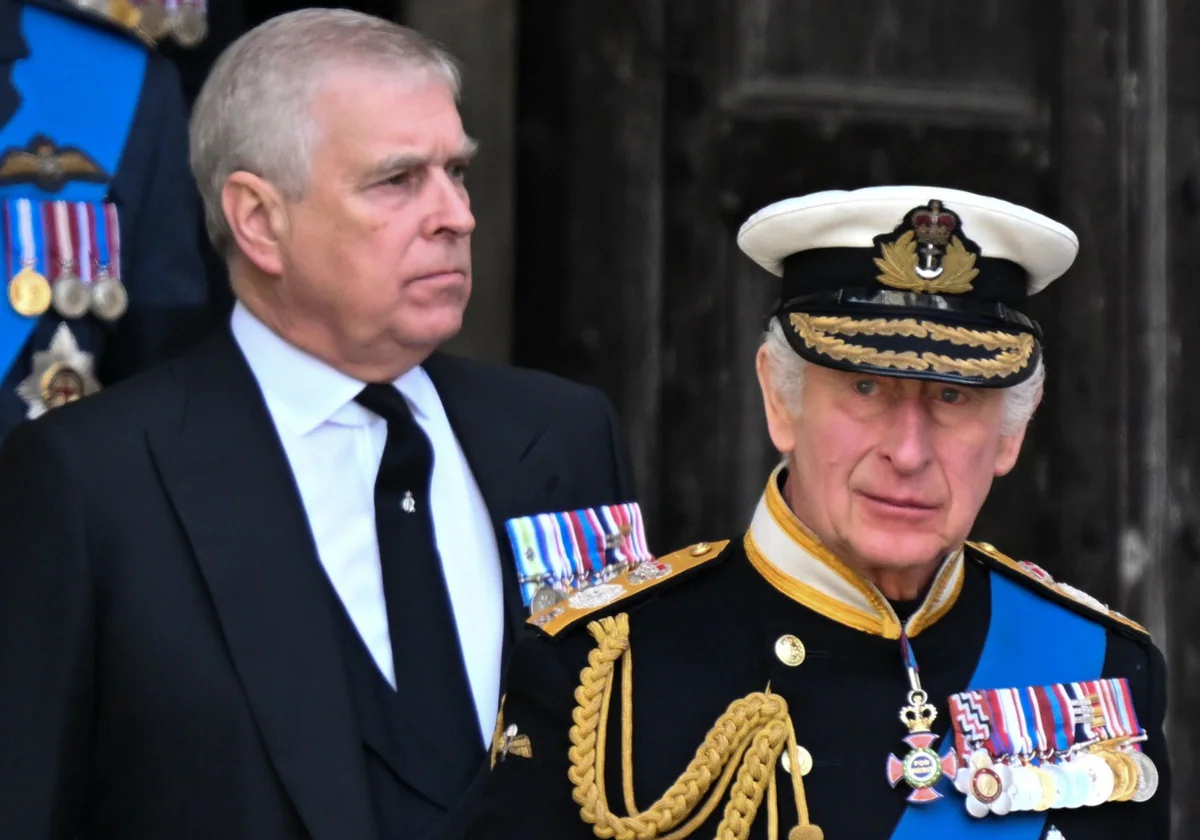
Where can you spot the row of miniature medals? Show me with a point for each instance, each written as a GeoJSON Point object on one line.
{"type": "Point", "coordinates": [65, 255]}
{"type": "Point", "coordinates": [1068, 745]}
{"type": "Point", "coordinates": [574, 555]}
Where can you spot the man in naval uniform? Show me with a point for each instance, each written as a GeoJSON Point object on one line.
{"type": "Point", "coordinates": [852, 666]}
{"type": "Point", "coordinates": [102, 269]}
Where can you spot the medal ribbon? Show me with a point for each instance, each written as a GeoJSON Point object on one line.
{"type": "Point", "coordinates": [571, 550]}
{"type": "Point", "coordinates": [29, 232]}
{"type": "Point", "coordinates": [62, 236]}
{"type": "Point", "coordinates": [1116, 694]}
{"type": "Point", "coordinates": [1125, 701]}
{"type": "Point", "coordinates": [618, 523]}
{"type": "Point", "coordinates": [113, 226]}
{"type": "Point", "coordinates": [99, 236]}
{"type": "Point", "coordinates": [563, 560]}
{"type": "Point", "coordinates": [1034, 732]}
{"type": "Point", "coordinates": [600, 558]}
{"type": "Point", "coordinates": [968, 715]}
{"type": "Point", "coordinates": [1054, 714]}
{"type": "Point", "coordinates": [531, 567]}
{"type": "Point", "coordinates": [83, 236]}
{"type": "Point", "coordinates": [1022, 737]}
{"type": "Point", "coordinates": [546, 550]}
{"type": "Point", "coordinates": [15, 328]}
{"type": "Point", "coordinates": [45, 209]}
{"type": "Point", "coordinates": [582, 533]}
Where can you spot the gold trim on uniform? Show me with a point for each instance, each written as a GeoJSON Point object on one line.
{"type": "Point", "coordinates": [558, 617]}
{"type": "Point", "coordinates": [819, 333]}
{"type": "Point", "coordinates": [1056, 586]}
{"type": "Point", "coordinates": [793, 561]}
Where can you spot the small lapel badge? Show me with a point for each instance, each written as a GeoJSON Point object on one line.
{"type": "Point", "coordinates": [47, 166]}
{"type": "Point", "coordinates": [514, 743]}
{"type": "Point", "coordinates": [61, 374]}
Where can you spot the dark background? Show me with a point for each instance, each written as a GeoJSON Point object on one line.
{"type": "Point", "coordinates": [624, 142]}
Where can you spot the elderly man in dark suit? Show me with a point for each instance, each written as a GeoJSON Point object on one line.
{"type": "Point", "coordinates": [263, 592]}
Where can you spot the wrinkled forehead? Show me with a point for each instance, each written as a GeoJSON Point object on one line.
{"type": "Point", "coordinates": [352, 95]}
{"type": "Point", "coordinates": [367, 116]}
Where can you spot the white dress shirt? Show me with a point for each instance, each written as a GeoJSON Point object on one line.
{"type": "Point", "coordinates": [335, 446]}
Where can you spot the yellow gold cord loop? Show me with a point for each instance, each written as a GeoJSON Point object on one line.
{"type": "Point", "coordinates": [746, 740]}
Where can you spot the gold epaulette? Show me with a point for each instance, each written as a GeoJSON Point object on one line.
{"type": "Point", "coordinates": [555, 619]}
{"type": "Point", "coordinates": [1092, 607]}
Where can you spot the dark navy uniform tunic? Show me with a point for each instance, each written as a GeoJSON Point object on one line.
{"type": "Point", "coordinates": [82, 83]}
{"type": "Point", "coordinates": [705, 636]}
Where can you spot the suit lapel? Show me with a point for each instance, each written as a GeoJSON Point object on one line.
{"type": "Point", "coordinates": [227, 475]}
{"type": "Point", "coordinates": [513, 459]}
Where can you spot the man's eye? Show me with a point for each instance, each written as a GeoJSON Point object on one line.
{"type": "Point", "coordinates": [458, 171]}
{"type": "Point", "coordinates": [866, 387]}
{"type": "Point", "coordinates": [950, 395]}
{"type": "Point", "coordinates": [399, 179]}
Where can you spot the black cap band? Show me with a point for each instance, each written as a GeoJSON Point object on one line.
{"type": "Point", "coordinates": [830, 269]}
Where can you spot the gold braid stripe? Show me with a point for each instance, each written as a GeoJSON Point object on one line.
{"type": "Point", "coordinates": [747, 740]}
{"type": "Point", "coordinates": [1012, 351]}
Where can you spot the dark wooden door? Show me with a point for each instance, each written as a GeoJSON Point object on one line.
{"type": "Point", "coordinates": [649, 130]}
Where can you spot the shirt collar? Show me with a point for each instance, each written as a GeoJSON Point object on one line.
{"type": "Point", "coordinates": [793, 560]}
{"type": "Point", "coordinates": [304, 392]}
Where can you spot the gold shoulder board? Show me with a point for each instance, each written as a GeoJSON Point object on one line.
{"type": "Point", "coordinates": [1040, 577]}
{"type": "Point", "coordinates": [555, 619]}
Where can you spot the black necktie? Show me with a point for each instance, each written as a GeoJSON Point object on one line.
{"type": "Point", "coordinates": [437, 709]}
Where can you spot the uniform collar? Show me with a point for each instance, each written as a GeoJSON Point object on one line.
{"type": "Point", "coordinates": [304, 392]}
{"type": "Point", "coordinates": [794, 561]}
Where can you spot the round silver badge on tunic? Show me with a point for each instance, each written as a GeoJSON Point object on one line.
{"type": "Point", "coordinates": [597, 596]}
{"type": "Point", "coordinates": [70, 296]}
{"type": "Point", "coordinates": [544, 598]}
{"type": "Point", "coordinates": [1147, 782]}
{"type": "Point", "coordinates": [109, 298]}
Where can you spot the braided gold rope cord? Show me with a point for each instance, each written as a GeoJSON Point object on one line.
{"type": "Point", "coordinates": [747, 740]}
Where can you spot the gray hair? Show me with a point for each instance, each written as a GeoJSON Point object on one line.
{"type": "Point", "coordinates": [254, 112]}
{"type": "Point", "coordinates": [787, 376]}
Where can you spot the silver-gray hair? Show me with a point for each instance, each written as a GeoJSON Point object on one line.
{"type": "Point", "coordinates": [787, 376]}
{"type": "Point", "coordinates": [254, 112]}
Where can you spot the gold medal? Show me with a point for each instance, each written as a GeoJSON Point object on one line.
{"type": "Point", "coordinates": [29, 293]}
{"type": "Point", "coordinates": [1049, 790]}
{"type": "Point", "coordinates": [1123, 782]}
{"type": "Point", "coordinates": [1132, 774]}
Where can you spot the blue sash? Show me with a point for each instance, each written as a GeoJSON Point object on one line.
{"type": "Point", "coordinates": [1066, 648]}
{"type": "Point", "coordinates": [80, 87]}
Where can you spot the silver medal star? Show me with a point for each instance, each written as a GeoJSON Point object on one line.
{"type": "Point", "coordinates": [62, 373]}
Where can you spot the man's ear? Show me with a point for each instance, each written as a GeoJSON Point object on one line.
{"type": "Point", "coordinates": [779, 419]}
{"type": "Point", "coordinates": [255, 214]}
{"type": "Point", "coordinates": [1010, 445]}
